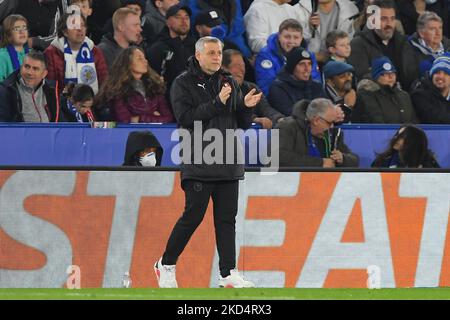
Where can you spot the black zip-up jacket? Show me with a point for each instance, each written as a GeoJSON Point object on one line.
{"type": "Point", "coordinates": [195, 97]}
{"type": "Point", "coordinates": [431, 106]}
{"type": "Point", "coordinates": [168, 56]}
{"type": "Point", "coordinates": [365, 48]}
{"type": "Point", "coordinates": [11, 102]}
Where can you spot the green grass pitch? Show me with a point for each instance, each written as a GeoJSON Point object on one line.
{"type": "Point", "coordinates": [226, 294]}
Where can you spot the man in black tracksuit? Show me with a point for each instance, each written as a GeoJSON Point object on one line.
{"type": "Point", "coordinates": [205, 95]}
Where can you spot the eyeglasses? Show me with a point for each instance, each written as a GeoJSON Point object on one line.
{"type": "Point", "coordinates": [19, 29]}
{"type": "Point", "coordinates": [330, 124]}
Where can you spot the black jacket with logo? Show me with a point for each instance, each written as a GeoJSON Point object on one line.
{"type": "Point", "coordinates": [194, 97]}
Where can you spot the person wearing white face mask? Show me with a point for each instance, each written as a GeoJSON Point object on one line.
{"type": "Point", "coordinates": [143, 149]}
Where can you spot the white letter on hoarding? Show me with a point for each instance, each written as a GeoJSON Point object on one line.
{"type": "Point", "coordinates": [328, 252]}
{"type": "Point", "coordinates": [35, 232]}
{"type": "Point", "coordinates": [128, 187]}
{"type": "Point", "coordinates": [436, 188]}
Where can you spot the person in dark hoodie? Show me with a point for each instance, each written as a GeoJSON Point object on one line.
{"type": "Point", "coordinates": [143, 150]}
{"type": "Point", "coordinates": [169, 54]}
{"type": "Point", "coordinates": [294, 82]}
{"type": "Point", "coordinates": [309, 139]}
{"type": "Point", "coordinates": [205, 96]}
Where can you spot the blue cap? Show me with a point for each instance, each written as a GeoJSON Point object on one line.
{"type": "Point", "coordinates": [334, 68]}
{"type": "Point", "coordinates": [381, 66]}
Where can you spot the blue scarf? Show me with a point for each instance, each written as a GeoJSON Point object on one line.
{"type": "Point", "coordinates": [14, 56]}
{"type": "Point", "coordinates": [83, 71]}
{"type": "Point", "coordinates": [313, 150]}
{"type": "Point", "coordinates": [74, 111]}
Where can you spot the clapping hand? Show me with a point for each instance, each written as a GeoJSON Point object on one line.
{"type": "Point", "coordinates": [251, 99]}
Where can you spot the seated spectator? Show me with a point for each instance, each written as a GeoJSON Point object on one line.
{"type": "Point", "coordinates": [431, 98]}
{"type": "Point", "coordinates": [26, 97]}
{"type": "Point", "coordinates": [42, 17]}
{"type": "Point", "coordinates": [94, 30]}
{"type": "Point", "coordinates": [14, 46]}
{"type": "Point", "coordinates": [263, 113]}
{"type": "Point", "coordinates": [360, 23]}
{"type": "Point", "coordinates": [423, 47]}
{"type": "Point", "coordinates": [409, 12]}
{"type": "Point", "coordinates": [168, 56]}
{"type": "Point", "coordinates": [381, 100]}
{"type": "Point", "coordinates": [338, 86]}
{"type": "Point", "coordinates": [156, 12]}
{"type": "Point", "coordinates": [148, 35]}
{"type": "Point", "coordinates": [313, 141]}
{"type": "Point", "coordinates": [79, 100]}
{"type": "Point", "coordinates": [338, 46]}
{"type": "Point", "coordinates": [330, 15]}
{"type": "Point", "coordinates": [209, 23]}
{"type": "Point", "coordinates": [263, 18]}
{"type": "Point", "coordinates": [272, 57]}
{"type": "Point", "coordinates": [370, 44]}
{"type": "Point", "coordinates": [73, 57]}
{"type": "Point", "coordinates": [127, 31]}
{"type": "Point", "coordinates": [232, 24]}
{"type": "Point", "coordinates": [143, 150]}
{"type": "Point", "coordinates": [407, 149]}
{"type": "Point", "coordinates": [294, 82]}
{"type": "Point", "coordinates": [134, 91]}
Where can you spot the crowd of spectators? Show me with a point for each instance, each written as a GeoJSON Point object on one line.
{"type": "Point", "coordinates": [116, 60]}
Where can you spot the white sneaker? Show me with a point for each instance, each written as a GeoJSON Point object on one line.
{"type": "Point", "coordinates": [235, 280]}
{"type": "Point", "coordinates": [165, 275]}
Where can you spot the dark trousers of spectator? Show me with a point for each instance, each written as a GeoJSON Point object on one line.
{"type": "Point", "coordinates": [225, 204]}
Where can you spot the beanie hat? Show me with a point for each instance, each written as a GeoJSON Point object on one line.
{"type": "Point", "coordinates": [381, 66]}
{"type": "Point", "coordinates": [295, 56]}
{"type": "Point", "coordinates": [335, 68]}
{"type": "Point", "coordinates": [441, 63]}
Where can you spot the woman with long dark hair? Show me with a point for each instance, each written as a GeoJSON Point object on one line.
{"type": "Point", "coordinates": [134, 91]}
{"type": "Point", "coordinates": [407, 149]}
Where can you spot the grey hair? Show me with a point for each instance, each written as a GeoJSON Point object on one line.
{"type": "Point", "coordinates": [200, 44]}
{"type": "Point", "coordinates": [318, 107]}
{"type": "Point", "coordinates": [426, 17]}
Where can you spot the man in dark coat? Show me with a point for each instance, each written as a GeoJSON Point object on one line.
{"type": "Point", "coordinates": [371, 44]}
{"type": "Point", "coordinates": [431, 99]}
{"type": "Point", "coordinates": [169, 54]}
{"type": "Point", "coordinates": [312, 141]}
{"type": "Point", "coordinates": [26, 97]}
{"type": "Point", "coordinates": [205, 98]}
{"type": "Point", "coordinates": [423, 47]}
